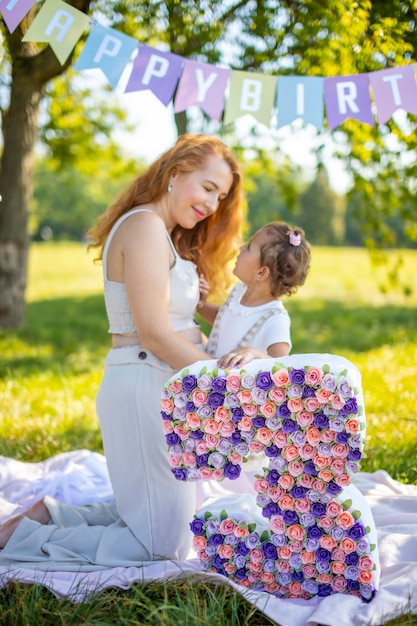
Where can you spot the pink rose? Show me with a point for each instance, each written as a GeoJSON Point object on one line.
{"type": "Point", "coordinates": [305, 418]}
{"type": "Point", "coordinates": [295, 405]}
{"type": "Point", "coordinates": [232, 382]}
{"type": "Point", "coordinates": [307, 557]}
{"type": "Point", "coordinates": [286, 503]}
{"type": "Point", "coordinates": [167, 427]}
{"type": "Point", "coordinates": [176, 386]}
{"type": "Point", "coordinates": [211, 440]}
{"type": "Point", "coordinates": [167, 406]}
{"type": "Point", "coordinates": [296, 468]}
{"type": "Point", "coordinates": [281, 377]}
{"type": "Point", "coordinates": [352, 426]}
{"type": "Point", "coordinates": [286, 481]}
{"type": "Point", "coordinates": [201, 447]}
{"type": "Point", "coordinates": [365, 562]}
{"type": "Point", "coordinates": [340, 450]}
{"type": "Point", "coordinates": [182, 432]}
{"type": "Point", "coordinates": [314, 375]}
{"type": "Point", "coordinates": [324, 578]}
{"type": "Point", "coordinates": [284, 552]}
{"type": "Point", "coordinates": [277, 395]}
{"type": "Point", "coordinates": [245, 582]}
{"type": "Point", "coordinates": [199, 542]}
{"type": "Point", "coordinates": [313, 435]}
{"type": "Point", "coordinates": [272, 587]}
{"type": "Point", "coordinates": [290, 453]}
{"type": "Point", "coordinates": [264, 435]}
{"type": "Point", "coordinates": [318, 485]}
{"type": "Point", "coordinates": [309, 571]}
{"type": "Point", "coordinates": [283, 566]}
{"type": "Point", "coordinates": [261, 485]}
{"type": "Point", "coordinates": [203, 556]}
{"type": "Point", "coordinates": [280, 439]}
{"type": "Point", "coordinates": [199, 397]}
{"type": "Point", "coordinates": [325, 475]}
{"type": "Point", "coordinates": [253, 577]}
{"type": "Point", "coordinates": [241, 531]}
{"type": "Point", "coordinates": [365, 577]}
{"type": "Point", "coordinates": [250, 409]}
{"type": "Point", "coordinates": [188, 459]}
{"type": "Point", "coordinates": [225, 551]}
{"type": "Point", "coordinates": [337, 466]}
{"type": "Point", "coordinates": [295, 531]}
{"type": "Point", "coordinates": [326, 522]}
{"type": "Point", "coordinates": [193, 421]}
{"type": "Point", "coordinates": [295, 588]}
{"type": "Point", "coordinates": [302, 505]}
{"type": "Point", "coordinates": [227, 526]}
{"type": "Point", "coordinates": [217, 474]}
{"type": "Point", "coordinates": [268, 409]}
{"type": "Point", "coordinates": [227, 428]}
{"type": "Point", "coordinates": [235, 458]}
{"type": "Point", "coordinates": [244, 396]}
{"type": "Point", "coordinates": [307, 451]}
{"type": "Point", "coordinates": [275, 493]}
{"type": "Point", "coordinates": [306, 480]}
{"type": "Point", "coordinates": [205, 473]}
{"type": "Point", "coordinates": [245, 424]}
{"type": "Point", "coordinates": [328, 435]}
{"type": "Point", "coordinates": [230, 568]}
{"type": "Point", "coordinates": [267, 577]}
{"type": "Point", "coordinates": [174, 460]}
{"type": "Point", "coordinates": [256, 446]}
{"type": "Point", "coordinates": [256, 555]}
{"type": "Point", "coordinates": [337, 401]}
{"type": "Point", "coordinates": [338, 567]}
{"type": "Point", "coordinates": [338, 555]}
{"type": "Point", "coordinates": [277, 524]}
{"type": "Point", "coordinates": [345, 520]}
{"type": "Point", "coordinates": [334, 509]}
{"type": "Point", "coordinates": [210, 426]}
{"type": "Point", "coordinates": [321, 461]}
{"type": "Point", "coordinates": [323, 395]}
{"type": "Point", "coordinates": [338, 584]}
{"type": "Point", "coordinates": [347, 545]}
{"type": "Point", "coordinates": [311, 404]}
{"type": "Point", "coordinates": [221, 414]}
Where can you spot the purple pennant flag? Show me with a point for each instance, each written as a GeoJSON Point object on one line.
{"type": "Point", "coordinates": [203, 85]}
{"type": "Point", "coordinates": [348, 96]}
{"type": "Point", "coordinates": [157, 71]}
{"type": "Point", "coordinates": [14, 11]}
{"type": "Point", "coordinates": [394, 89]}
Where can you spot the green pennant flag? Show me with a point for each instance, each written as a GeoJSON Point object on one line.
{"type": "Point", "coordinates": [250, 94]}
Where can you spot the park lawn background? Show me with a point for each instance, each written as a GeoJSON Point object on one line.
{"type": "Point", "coordinates": [50, 371]}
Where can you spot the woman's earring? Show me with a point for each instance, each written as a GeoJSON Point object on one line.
{"type": "Point", "coordinates": [169, 187]}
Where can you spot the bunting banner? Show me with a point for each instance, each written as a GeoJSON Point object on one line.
{"type": "Point", "coordinates": [223, 94]}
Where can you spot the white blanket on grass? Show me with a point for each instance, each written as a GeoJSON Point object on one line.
{"type": "Point", "coordinates": [81, 476]}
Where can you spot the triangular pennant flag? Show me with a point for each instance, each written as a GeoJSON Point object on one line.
{"type": "Point", "coordinates": [107, 49]}
{"type": "Point", "coordinates": [394, 89]}
{"type": "Point", "coordinates": [60, 25]}
{"type": "Point", "coordinates": [14, 11]}
{"type": "Point", "coordinates": [348, 97]}
{"type": "Point", "coordinates": [203, 85]}
{"type": "Point", "coordinates": [250, 93]}
{"type": "Point", "coordinates": [300, 97]}
{"type": "Point", "coordinates": [157, 71]}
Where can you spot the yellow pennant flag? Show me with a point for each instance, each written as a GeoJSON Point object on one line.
{"type": "Point", "coordinates": [250, 94]}
{"type": "Point", "coordinates": [60, 25]}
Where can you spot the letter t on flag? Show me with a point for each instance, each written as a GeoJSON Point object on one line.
{"type": "Point", "coordinates": [395, 88]}
{"type": "Point", "coordinates": [60, 25]}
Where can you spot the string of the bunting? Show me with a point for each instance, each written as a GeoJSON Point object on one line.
{"type": "Point", "coordinates": [223, 94]}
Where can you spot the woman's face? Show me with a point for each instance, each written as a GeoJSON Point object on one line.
{"type": "Point", "coordinates": [196, 195]}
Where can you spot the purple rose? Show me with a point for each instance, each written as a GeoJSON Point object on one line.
{"type": "Point", "coordinates": [324, 590]}
{"type": "Point", "coordinates": [338, 533]}
{"type": "Point", "coordinates": [197, 526]}
{"type": "Point", "coordinates": [201, 460]}
{"type": "Point", "coordinates": [258, 421]}
{"type": "Point", "coordinates": [314, 532]}
{"type": "Point", "coordinates": [237, 414]}
{"type": "Point", "coordinates": [318, 509]}
{"type": "Point", "coordinates": [190, 407]}
{"type": "Point", "coordinates": [231, 400]}
{"type": "Point", "coordinates": [197, 434]}
{"type": "Point", "coordinates": [290, 517]}
{"type": "Point", "coordinates": [166, 416]}
{"type": "Point", "coordinates": [235, 438]}
{"type": "Point", "coordinates": [172, 439]}
{"type": "Point", "coordinates": [320, 420]}
{"type": "Point", "coordinates": [308, 392]}
{"type": "Point", "coordinates": [271, 509]}
{"type": "Point", "coordinates": [352, 558]}
{"type": "Point", "coordinates": [269, 550]}
{"type": "Point", "coordinates": [252, 540]}
{"type": "Point", "coordinates": [219, 383]}
{"type": "Point", "coordinates": [240, 573]}
{"type": "Point", "coordinates": [283, 410]}
{"type": "Point", "coordinates": [296, 561]}
{"type": "Point", "coordinates": [298, 492]}
{"type": "Point", "coordinates": [179, 473]}
{"type": "Point", "coordinates": [356, 531]}
{"type": "Point", "coordinates": [289, 425]}
{"type": "Point", "coordinates": [241, 548]}
{"type": "Point", "coordinates": [333, 488]}
{"type": "Point", "coordinates": [310, 468]}
{"type": "Point", "coordinates": [271, 451]}
{"type": "Point", "coordinates": [323, 555]}
{"type": "Point", "coordinates": [215, 399]}
{"type": "Point", "coordinates": [323, 567]}
{"type": "Point", "coordinates": [189, 383]}
{"type": "Point", "coordinates": [310, 586]}
{"type": "Point", "coordinates": [297, 376]}
{"type": "Point", "coordinates": [352, 585]}
{"type": "Point", "coordinates": [351, 573]}
{"type": "Point", "coordinates": [307, 519]}
{"type": "Point", "coordinates": [350, 407]}
{"type": "Point", "coordinates": [354, 455]}
{"type": "Point", "coordinates": [264, 381]}
{"type": "Point", "coordinates": [342, 437]}
{"type": "Point", "coordinates": [273, 477]}
{"type": "Point", "coordinates": [231, 471]}
{"type": "Point", "coordinates": [216, 540]}
{"type": "Point", "coordinates": [297, 576]}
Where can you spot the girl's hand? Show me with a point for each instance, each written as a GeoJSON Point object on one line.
{"type": "Point", "coordinates": [237, 358]}
{"type": "Point", "coordinates": [204, 291]}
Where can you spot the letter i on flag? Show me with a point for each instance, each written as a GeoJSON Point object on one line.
{"type": "Point", "coordinates": [60, 25]}
{"type": "Point", "coordinates": [108, 50]}
{"type": "Point", "coordinates": [14, 11]}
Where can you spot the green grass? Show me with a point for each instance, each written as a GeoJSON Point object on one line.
{"type": "Point", "coordinates": [51, 368]}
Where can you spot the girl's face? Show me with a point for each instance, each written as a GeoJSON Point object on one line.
{"type": "Point", "coordinates": [248, 263]}
{"type": "Point", "coordinates": [196, 196]}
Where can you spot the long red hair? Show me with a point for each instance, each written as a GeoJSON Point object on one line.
{"type": "Point", "coordinates": [213, 242]}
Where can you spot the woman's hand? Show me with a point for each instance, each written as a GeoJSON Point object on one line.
{"type": "Point", "coordinates": [240, 356]}
{"type": "Point", "coordinates": [204, 291]}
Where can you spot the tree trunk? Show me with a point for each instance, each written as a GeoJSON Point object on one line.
{"type": "Point", "coordinates": [20, 124]}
